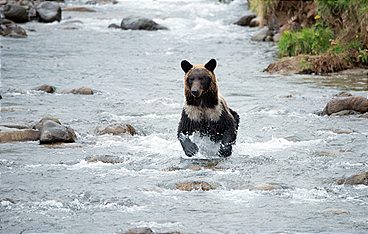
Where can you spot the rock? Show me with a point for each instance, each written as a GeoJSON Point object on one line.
{"type": "Point", "coordinates": [335, 211]}
{"type": "Point", "coordinates": [46, 88]}
{"type": "Point", "coordinates": [105, 159]}
{"type": "Point", "coordinates": [355, 179]}
{"type": "Point", "coordinates": [117, 129]}
{"type": "Point", "coordinates": [143, 230]}
{"type": "Point", "coordinates": [114, 26]}
{"type": "Point", "coordinates": [276, 37]}
{"type": "Point", "coordinates": [262, 35]}
{"type": "Point", "coordinates": [245, 20]}
{"type": "Point", "coordinates": [10, 29]}
{"type": "Point", "coordinates": [19, 135]}
{"type": "Point", "coordinates": [78, 9]}
{"type": "Point", "coordinates": [3, 2]}
{"type": "Point", "coordinates": [270, 186]}
{"type": "Point", "coordinates": [101, 2]}
{"type": "Point", "coordinates": [195, 185]}
{"type": "Point", "coordinates": [140, 23]}
{"type": "Point", "coordinates": [351, 103]}
{"type": "Point", "coordinates": [254, 23]}
{"type": "Point", "coordinates": [15, 13]}
{"type": "Point", "coordinates": [48, 12]}
{"type": "Point", "coordinates": [52, 132]}
{"type": "Point", "coordinates": [82, 90]}
{"type": "Point", "coordinates": [40, 123]}
{"type": "Point", "coordinates": [343, 94]}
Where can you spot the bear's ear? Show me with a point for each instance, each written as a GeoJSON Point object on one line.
{"type": "Point", "coordinates": [211, 65]}
{"type": "Point", "coordinates": [186, 66]}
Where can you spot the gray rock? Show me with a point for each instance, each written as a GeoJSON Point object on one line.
{"type": "Point", "coordinates": [10, 29]}
{"type": "Point", "coordinates": [48, 12]}
{"type": "Point", "coordinates": [82, 90]}
{"type": "Point", "coordinates": [140, 23]}
{"type": "Point", "coordinates": [46, 88]}
{"type": "Point", "coordinates": [114, 26]}
{"type": "Point", "coordinates": [52, 132]}
{"type": "Point", "coordinates": [245, 20]}
{"type": "Point", "coordinates": [143, 230]}
{"type": "Point", "coordinates": [101, 2]}
{"type": "Point", "coordinates": [40, 123]}
{"type": "Point", "coordinates": [254, 23]}
{"type": "Point", "coordinates": [262, 35]}
{"type": "Point", "coordinates": [15, 13]}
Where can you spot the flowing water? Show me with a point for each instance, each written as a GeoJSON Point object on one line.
{"type": "Point", "coordinates": [138, 80]}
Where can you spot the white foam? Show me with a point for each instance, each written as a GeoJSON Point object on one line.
{"type": "Point", "coordinates": [275, 144]}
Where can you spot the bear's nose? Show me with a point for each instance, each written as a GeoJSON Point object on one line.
{"type": "Point", "coordinates": [195, 92]}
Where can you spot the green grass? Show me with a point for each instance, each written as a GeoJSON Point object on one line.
{"type": "Point", "coordinates": [314, 40]}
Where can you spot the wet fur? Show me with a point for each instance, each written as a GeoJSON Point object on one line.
{"type": "Point", "coordinates": [207, 114]}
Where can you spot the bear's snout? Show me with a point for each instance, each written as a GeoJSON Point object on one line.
{"type": "Point", "coordinates": [195, 92]}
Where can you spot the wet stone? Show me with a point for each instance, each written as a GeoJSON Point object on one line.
{"type": "Point", "coordinates": [105, 159]}
{"type": "Point", "coordinates": [117, 129]}
{"type": "Point", "coordinates": [143, 230]}
{"type": "Point", "coordinates": [194, 185]}
{"type": "Point", "coordinates": [361, 178]}
{"type": "Point", "coordinates": [52, 132]}
{"type": "Point", "coordinates": [46, 88]}
{"type": "Point", "coordinates": [19, 135]}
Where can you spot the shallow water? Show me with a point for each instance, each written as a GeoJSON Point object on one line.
{"type": "Point", "coordinates": [138, 80]}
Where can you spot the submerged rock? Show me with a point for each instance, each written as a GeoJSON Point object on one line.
{"type": "Point", "coordinates": [19, 135]}
{"type": "Point", "coordinates": [361, 178]}
{"type": "Point", "coordinates": [48, 12]}
{"type": "Point", "coordinates": [194, 185]}
{"type": "Point", "coordinates": [350, 103]}
{"type": "Point", "coordinates": [82, 90]}
{"type": "Point", "coordinates": [140, 23]}
{"type": "Point", "coordinates": [105, 159]}
{"type": "Point", "coordinates": [114, 26]}
{"type": "Point", "coordinates": [10, 29]}
{"type": "Point", "coordinates": [143, 230]}
{"type": "Point", "coordinates": [101, 2]}
{"type": "Point", "coordinates": [117, 129]}
{"type": "Point", "coordinates": [78, 9]}
{"type": "Point", "coordinates": [46, 88]}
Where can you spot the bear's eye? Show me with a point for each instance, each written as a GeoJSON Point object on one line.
{"type": "Point", "coordinates": [191, 79]}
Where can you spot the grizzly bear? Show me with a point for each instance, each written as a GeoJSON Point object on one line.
{"type": "Point", "coordinates": [205, 110]}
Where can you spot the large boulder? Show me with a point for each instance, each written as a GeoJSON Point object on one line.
{"type": "Point", "coordinates": [15, 13]}
{"type": "Point", "coordinates": [140, 23]}
{"type": "Point", "coordinates": [350, 103]}
{"type": "Point", "coordinates": [361, 178]}
{"type": "Point", "coordinates": [52, 132]}
{"type": "Point", "coordinates": [10, 29]}
{"type": "Point", "coordinates": [48, 12]}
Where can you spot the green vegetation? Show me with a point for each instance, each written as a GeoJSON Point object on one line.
{"type": "Point", "coordinates": [340, 31]}
{"type": "Point", "coordinates": [312, 41]}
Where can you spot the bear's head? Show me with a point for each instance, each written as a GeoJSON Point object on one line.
{"type": "Point", "coordinates": [200, 84]}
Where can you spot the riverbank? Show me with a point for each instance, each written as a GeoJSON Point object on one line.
{"type": "Point", "coordinates": [315, 37]}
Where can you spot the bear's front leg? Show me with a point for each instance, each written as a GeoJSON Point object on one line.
{"type": "Point", "coordinates": [225, 150]}
{"type": "Point", "coordinates": [189, 147]}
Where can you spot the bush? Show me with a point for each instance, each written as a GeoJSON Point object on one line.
{"type": "Point", "coordinates": [315, 40]}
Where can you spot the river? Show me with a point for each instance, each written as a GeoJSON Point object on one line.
{"type": "Point", "coordinates": [138, 80]}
